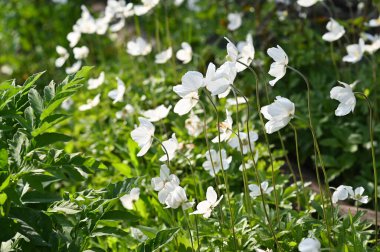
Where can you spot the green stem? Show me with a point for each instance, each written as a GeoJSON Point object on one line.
{"type": "Point", "coordinates": [373, 160]}
{"type": "Point", "coordinates": [223, 173]}
{"type": "Point", "coordinates": [188, 229]}
{"type": "Point", "coordinates": [316, 147]}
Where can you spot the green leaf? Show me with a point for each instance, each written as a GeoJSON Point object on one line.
{"type": "Point", "coordinates": [109, 231]}
{"type": "Point", "coordinates": [118, 189]}
{"type": "Point", "coordinates": [9, 229]}
{"type": "Point", "coordinates": [49, 92]}
{"type": "Point", "coordinates": [30, 81]}
{"type": "Point", "coordinates": [48, 122]}
{"type": "Point", "coordinates": [3, 159]}
{"type": "Point", "coordinates": [39, 197]}
{"type": "Point", "coordinates": [121, 215]}
{"type": "Point", "coordinates": [55, 103]}
{"type": "Point", "coordinates": [162, 238]}
{"type": "Point", "coordinates": [29, 118]}
{"type": "Point", "coordinates": [36, 101]}
{"type": "Point", "coordinates": [50, 138]}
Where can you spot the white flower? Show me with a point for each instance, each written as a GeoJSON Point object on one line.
{"type": "Point", "coordinates": [375, 44]}
{"type": "Point", "coordinates": [358, 195]}
{"type": "Point", "coordinates": [234, 21]}
{"type": "Point", "coordinates": [146, 6]}
{"type": "Point", "coordinates": [249, 164]}
{"type": "Point", "coordinates": [354, 52]}
{"type": "Point", "coordinates": [185, 54]}
{"type": "Point", "coordinates": [234, 142]}
{"type": "Point", "coordinates": [345, 96]}
{"type": "Point", "coordinates": [73, 38]}
{"type": "Point", "coordinates": [225, 129]}
{"type": "Point", "coordinates": [128, 199]}
{"type": "Point", "coordinates": [341, 193]}
{"type": "Point", "coordinates": [66, 104]}
{"type": "Point", "coordinates": [232, 101]}
{"type": "Point", "coordinates": [335, 31]}
{"type": "Point", "coordinates": [94, 83]}
{"type": "Point", "coordinates": [279, 114]}
{"type": "Point", "coordinates": [91, 103]}
{"type": "Point", "coordinates": [307, 3]}
{"type": "Point", "coordinates": [138, 47]}
{"type": "Point", "coordinates": [246, 53]}
{"type": "Point", "coordinates": [177, 197]}
{"type": "Point", "coordinates": [138, 235]}
{"type": "Point", "coordinates": [81, 52]}
{"type": "Point", "coordinates": [277, 68]}
{"type": "Point", "coordinates": [74, 68]}
{"type": "Point", "coordinates": [374, 22]}
{"type": "Point", "coordinates": [214, 166]}
{"type": "Point", "coordinates": [158, 183]}
{"type": "Point", "coordinates": [191, 82]}
{"type": "Point", "coordinates": [309, 245]}
{"type": "Point", "coordinates": [102, 25]}
{"type": "Point", "coordinates": [255, 189]}
{"type": "Point", "coordinates": [164, 56]}
{"type": "Point", "coordinates": [219, 81]}
{"type": "Point", "coordinates": [194, 125]}
{"type": "Point", "coordinates": [143, 135]}
{"type": "Point", "coordinates": [205, 207]}
{"type": "Point", "coordinates": [63, 56]}
{"type": "Point", "coordinates": [117, 94]}
{"type": "Point", "coordinates": [184, 105]}
{"type": "Point", "coordinates": [171, 146]}
{"type": "Point", "coordinates": [128, 109]}
{"type": "Point", "coordinates": [157, 114]}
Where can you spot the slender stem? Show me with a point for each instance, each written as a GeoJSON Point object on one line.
{"type": "Point", "coordinates": [371, 123]}
{"type": "Point", "coordinates": [223, 173]}
{"type": "Point", "coordinates": [298, 162]}
{"type": "Point", "coordinates": [333, 60]}
{"type": "Point", "coordinates": [245, 178]}
{"type": "Point", "coordinates": [267, 141]}
{"type": "Point", "coordinates": [165, 150]}
{"type": "Point", "coordinates": [188, 229]}
{"type": "Point", "coordinates": [256, 170]}
{"type": "Point", "coordinates": [217, 180]}
{"type": "Point", "coordinates": [316, 147]}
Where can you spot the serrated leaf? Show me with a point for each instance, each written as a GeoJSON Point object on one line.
{"type": "Point", "coordinates": [49, 92]}
{"type": "Point", "coordinates": [109, 231]}
{"type": "Point", "coordinates": [39, 197]}
{"type": "Point", "coordinates": [49, 122]}
{"type": "Point", "coordinates": [29, 118]}
{"type": "Point", "coordinates": [36, 101]}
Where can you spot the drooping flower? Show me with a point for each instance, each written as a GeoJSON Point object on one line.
{"type": "Point", "coordinates": [307, 3]}
{"type": "Point", "coordinates": [138, 47]}
{"type": "Point", "coordinates": [225, 129]}
{"type": "Point", "coordinates": [146, 6]}
{"type": "Point", "coordinates": [191, 82]}
{"type": "Point", "coordinates": [278, 67]}
{"type": "Point", "coordinates": [246, 53]}
{"type": "Point", "coordinates": [207, 206]}
{"type": "Point", "coordinates": [91, 103]}
{"type": "Point", "coordinates": [194, 125]}
{"type": "Point", "coordinates": [73, 38]}
{"type": "Point", "coordinates": [234, 142]}
{"type": "Point", "coordinates": [81, 52]}
{"type": "Point", "coordinates": [335, 31]}
{"type": "Point", "coordinates": [177, 198]}
{"type": "Point", "coordinates": [341, 193]}
{"type": "Point", "coordinates": [63, 56]}
{"type": "Point", "coordinates": [279, 114]}
{"type": "Point", "coordinates": [185, 54]}
{"type": "Point", "coordinates": [374, 22]}
{"type": "Point", "coordinates": [375, 43]}
{"type": "Point", "coordinates": [187, 102]}
{"type": "Point", "coordinates": [117, 94]}
{"type": "Point", "coordinates": [94, 83]}
{"type": "Point", "coordinates": [163, 56]}
{"type": "Point", "coordinates": [74, 68]}
{"type": "Point", "coordinates": [171, 146]}
{"type": "Point", "coordinates": [234, 21]}
{"type": "Point", "coordinates": [157, 114]}
{"type": "Point", "coordinates": [345, 96]}
{"type": "Point", "coordinates": [158, 183]}
{"type": "Point", "coordinates": [213, 164]}
{"type": "Point", "coordinates": [143, 135]}
{"type": "Point", "coordinates": [355, 52]}
{"type": "Point", "coordinates": [127, 110]}
{"type": "Point", "coordinates": [219, 81]}
{"type": "Point", "coordinates": [255, 189]}
{"type": "Point", "coordinates": [358, 195]}
{"type": "Point", "coordinates": [309, 245]}
{"type": "Point", "coordinates": [128, 199]}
